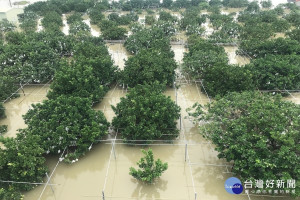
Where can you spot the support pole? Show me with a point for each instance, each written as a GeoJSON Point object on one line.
{"type": "Point", "coordinates": [180, 122]}
{"type": "Point", "coordinates": [195, 195]}
{"type": "Point", "coordinates": [49, 184]}
{"type": "Point", "coordinates": [103, 196]}
{"type": "Point", "coordinates": [113, 147]}
{"type": "Point", "coordinates": [185, 153]}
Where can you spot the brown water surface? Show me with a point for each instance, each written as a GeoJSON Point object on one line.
{"type": "Point", "coordinates": [235, 59]}
{"type": "Point", "coordinates": [15, 108]}
{"type": "Point", "coordinates": [119, 54]}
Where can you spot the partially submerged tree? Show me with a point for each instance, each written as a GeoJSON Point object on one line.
{"type": "Point", "coordinates": [143, 38]}
{"type": "Point", "coordinates": [146, 114]}
{"type": "Point", "coordinates": [148, 66]}
{"type": "Point", "coordinates": [78, 28]}
{"type": "Point", "coordinates": [6, 26]}
{"type": "Point", "coordinates": [66, 122]}
{"type": "Point", "coordinates": [21, 160]}
{"type": "Point", "coordinates": [30, 61]}
{"type": "Point", "coordinates": [7, 88]}
{"type": "Point", "coordinates": [52, 21]}
{"type": "Point", "coordinates": [114, 33]}
{"type": "Point", "coordinates": [266, 3]}
{"type": "Point", "coordinates": [2, 111]}
{"type": "Point", "coordinates": [149, 169]}
{"type": "Point", "coordinates": [257, 132]}
{"type": "Point", "coordinates": [201, 56]}
{"type": "Point", "coordinates": [259, 49]}
{"type": "Point", "coordinates": [78, 81]}
{"type": "Point", "coordinates": [223, 79]}
{"type": "Point", "coordinates": [276, 72]}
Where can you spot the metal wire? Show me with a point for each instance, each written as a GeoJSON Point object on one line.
{"type": "Point", "coordinates": [47, 183]}
{"type": "Point", "coordinates": [22, 182]}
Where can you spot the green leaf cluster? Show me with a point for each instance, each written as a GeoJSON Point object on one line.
{"type": "Point", "coordinates": [111, 31]}
{"type": "Point", "coordinates": [146, 114]}
{"type": "Point", "coordinates": [276, 72]}
{"type": "Point", "coordinates": [144, 38]}
{"type": "Point", "coordinates": [149, 169]}
{"type": "Point", "coordinates": [2, 111]}
{"type": "Point", "coordinates": [78, 81]}
{"type": "Point", "coordinates": [52, 21]}
{"type": "Point", "coordinates": [21, 160]}
{"type": "Point", "coordinates": [259, 49]}
{"type": "Point", "coordinates": [148, 66]}
{"type": "Point", "coordinates": [258, 132]}
{"type": "Point", "coordinates": [66, 122]}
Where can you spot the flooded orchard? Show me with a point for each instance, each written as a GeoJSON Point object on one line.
{"type": "Point", "coordinates": [194, 172]}
{"type": "Point", "coordinates": [234, 58]}
{"type": "Point", "coordinates": [118, 53]}
{"type": "Point", "coordinates": [15, 108]}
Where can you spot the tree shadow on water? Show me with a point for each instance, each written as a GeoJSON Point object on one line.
{"type": "Point", "coordinates": [149, 191]}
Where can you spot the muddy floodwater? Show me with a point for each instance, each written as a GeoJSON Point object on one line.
{"type": "Point", "coordinates": [194, 170]}
{"type": "Point", "coordinates": [235, 59]}
{"type": "Point", "coordinates": [15, 108]}
{"type": "Point", "coordinates": [95, 31]}
{"type": "Point", "coordinates": [118, 53]}
{"type": "Point", "coordinates": [179, 51]}
{"type": "Point", "coordinates": [201, 173]}
{"type": "Point", "coordinates": [65, 28]}
{"type": "Point", "coordinates": [294, 97]}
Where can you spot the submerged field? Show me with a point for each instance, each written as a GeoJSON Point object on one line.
{"type": "Point", "coordinates": [195, 171]}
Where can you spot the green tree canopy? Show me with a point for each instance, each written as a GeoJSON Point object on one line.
{"type": "Point", "coordinates": [165, 16]}
{"type": "Point", "coordinates": [52, 21]}
{"type": "Point", "coordinates": [192, 17]}
{"type": "Point", "coordinates": [293, 18]}
{"type": "Point", "coordinates": [148, 66]}
{"type": "Point", "coordinates": [146, 114]}
{"type": "Point", "coordinates": [201, 56]}
{"type": "Point", "coordinates": [75, 17]}
{"type": "Point", "coordinates": [6, 26]}
{"type": "Point", "coordinates": [223, 79]}
{"type": "Point", "coordinates": [279, 46]}
{"type": "Point", "coordinates": [31, 61]}
{"type": "Point", "coordinates": [28, 21]}
{"type": "Point", "coordinates": [167, 3]}
{"type": "Point", "coordinates": [276, 72]}
{"type": "Point", "coordinates": [258, 132]}
{"type": "Point", "coordinates": [2, 111]}
{"type": "Point", "coordinates": [266, 3]}
{"type": "Point", "coordinates": [253, 7]}
{"type": "Point", "coordinates": [7, 88]}
{"type": "Point", "coordinates": [21, 160]}
{"type": "Point", "coordinates": [235, 3]}
{"type": "Point", "coordinates": [143, 38]}
{"type": "Point", "coordinates": [149, 169]}
{"type": "Point", "coordinates": [114, 33]}
{"type": "Point", "coordinates": [66, 122]}
{"type": "Point", "coordinates": [79, 28]}
{"type": "Point", "coordinates": [150, 20]}
{"type": "Point", "coordinates": [294, 34]}
{"type": "Point", "coordinates": [78, 81]}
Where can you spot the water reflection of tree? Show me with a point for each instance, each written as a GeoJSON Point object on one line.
{"type": "Point", "coordinates": [212, 181]}
{"type": "Point", "coordinates": [149, 191]}
{"type": "Point", "coordinates": [133, 153]}
{"type": "Point", "coordinates": [94, 161]}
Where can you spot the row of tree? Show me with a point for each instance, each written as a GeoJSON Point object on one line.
{"type": "Point", "coordinates": [258, 132]}
{"type": "Point", "coordinates": [141, 116]}
{"type": "Point", "coordinates": [269, 71]}
{"type": "Point", "coordinates": [82, 71]}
